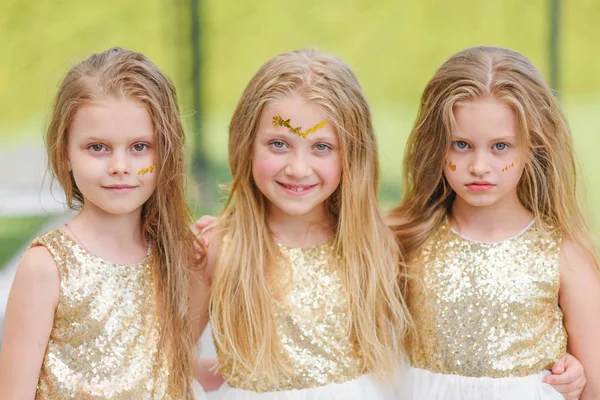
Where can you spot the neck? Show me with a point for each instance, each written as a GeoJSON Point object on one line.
{"type": "Point", "coordinates": [507, 214]}
{"type": "Point", "coordinates": [116, 238]}
{"type": "Point", "coordinates": [300, 230]}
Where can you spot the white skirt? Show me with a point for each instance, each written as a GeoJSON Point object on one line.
{"type": "Point", "coordinates": [419, 384]}
{"type": "Point", "coordinates": [365, 387]}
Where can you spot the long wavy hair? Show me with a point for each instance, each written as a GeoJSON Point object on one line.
{"type": "Point", "coordinates": [242, 293]}
{"type": "Point", "coordinates": [548, 185]}
{"type": "Point", "coordinates": [165, 215]}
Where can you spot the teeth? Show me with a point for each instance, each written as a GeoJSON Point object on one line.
{"type": "Point", "coordinates": [297, 189]}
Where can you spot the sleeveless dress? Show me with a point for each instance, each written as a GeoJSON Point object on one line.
{"type": "Point", "coordinates": [105, 337]}
{"type": "Point", "coordinates": [311, 324]}
{"type": "Point", "coordinates": [488, 324]}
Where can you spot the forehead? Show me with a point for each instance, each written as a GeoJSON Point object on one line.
{"type": "Point", "coordinates": [300, 113]}
{"type": "Point", "coordinates": [485, 118]}
{"type": "Point", "coordinates": [112, 119]}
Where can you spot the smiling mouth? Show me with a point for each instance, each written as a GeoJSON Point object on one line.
{"type": "Point", "coordinates": [296, 188]}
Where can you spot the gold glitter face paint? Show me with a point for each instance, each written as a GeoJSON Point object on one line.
{"type": "Point", "coordinates": [278, 121]}
{"type": "Point", "coordinates": [511, 165]}
{"type": "Point", "coordinates": [451, 166]}
{"type": "Point", "coordinates": [149, 169]}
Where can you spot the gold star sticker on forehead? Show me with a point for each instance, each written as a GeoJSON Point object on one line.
{"type": "Point", "coordinates": [278, 121]}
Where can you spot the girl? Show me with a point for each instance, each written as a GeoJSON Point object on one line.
{"type": "Point", "coordinates": [503, 263]}
{"type": "Point", "coordinates": [305, 295]}
{"type": "Point", "coordinates": [99, 309]}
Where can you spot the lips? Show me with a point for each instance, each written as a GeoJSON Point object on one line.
{"type": "Point", "coordinates": [119, 188]}
{"type": "Point", "coordinates": [296, 189]}
{"type": "Point", "coordinates": [480, 186]}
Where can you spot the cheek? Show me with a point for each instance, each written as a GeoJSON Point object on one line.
{"type": "Point", "coordinates": [335, 170]}
{"type": "Point", "coordinates": [265, 166]}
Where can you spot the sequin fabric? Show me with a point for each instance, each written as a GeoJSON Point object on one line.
{"type": "Point", "coordinates": [312, 320]}
{"type": "Point", "coordinates": [103, 344]}
{"type": "Point", "coordinates": [487, 309]}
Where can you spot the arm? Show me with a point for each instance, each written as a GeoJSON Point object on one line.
{"type": "Point", "coordinates": [29, 317]}
{"type": "Point", "coordinates": [580, 303]}
{"type": "Point", "coordinates": [206, 369]}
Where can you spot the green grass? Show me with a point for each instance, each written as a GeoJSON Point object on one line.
{"type": "Point", "coordinates": [15, 232]}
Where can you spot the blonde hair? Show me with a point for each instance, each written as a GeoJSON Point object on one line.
{"type": "Point", "coordinates": [241, 300]}
{"type": "Point", "coordinates": [165, 216]}
{"type": "Point", "coordinates": [548, 185]}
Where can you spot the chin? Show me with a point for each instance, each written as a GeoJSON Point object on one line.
{"type": "Point", "coordinates": [480, 202]}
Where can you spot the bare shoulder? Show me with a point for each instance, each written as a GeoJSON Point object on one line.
{"type": "Point", "coordinates": [38, 264]}
{"type": "Point", "coordinates": [577, 262]}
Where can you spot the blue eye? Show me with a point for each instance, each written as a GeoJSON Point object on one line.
{"type": "Point", "coordinates": [500, 146]}
{"type": "Point", "coordinates": [461, 145]}
{"type": "Point", "coordinates": [278, 144]}
{"type": "Point", "coordinates": [322, 147]}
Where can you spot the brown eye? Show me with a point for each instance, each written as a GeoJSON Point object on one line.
{"type": "Point", "coordinates": [140, 146]}
{"type": "Point", "coordinates": [97, 148]}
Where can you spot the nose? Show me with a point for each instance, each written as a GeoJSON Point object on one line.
{"type": "Point", "coordinates": [119, 164]}
{"type": "Point", "coordinates": [297, 167]}
{"type": "Point", "coordinates": [479, 164]}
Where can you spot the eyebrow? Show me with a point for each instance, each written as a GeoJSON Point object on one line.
{"type": "Point", "coordinates": [135, 139]}
{"type": "Point", "coordinates": [513, 137]}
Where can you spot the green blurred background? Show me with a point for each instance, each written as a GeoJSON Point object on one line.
{"type": "Point", "coordinates": [393, 46]}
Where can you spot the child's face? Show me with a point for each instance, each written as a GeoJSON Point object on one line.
{"type": "Point", "coordinates": [111, 144]}
{"type": "Point", "coordinates": [296, 174]}
{"type": "Point", "coordinates": [486, 160]}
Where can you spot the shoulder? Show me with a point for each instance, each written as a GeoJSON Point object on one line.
{"type": "Point", "coordinates": [38, 263]}
{"type": "Point", "coordinates": [576, 259]}
{"type": "Point", "coordinates": [37, 277]}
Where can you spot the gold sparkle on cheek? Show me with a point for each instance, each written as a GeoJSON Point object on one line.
{"type": "Point", "coordinates": [510, 165]}
{"type": "Point", "coordinates": [278, 121]}
{"type": "Point", "coordinates": [148, 169]}
{"type": "Point", "coordinates": [451, 166]}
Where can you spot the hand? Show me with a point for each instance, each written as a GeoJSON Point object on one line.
{"type": "Point", "coordinates": [567, 377]}
{"type": "Point", "coordinates": [201, 243]}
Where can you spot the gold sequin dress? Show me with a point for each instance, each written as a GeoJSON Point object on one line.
{"type": "Point", "coordinates": [311, 324]}
{"type": "Point", "coordinates": [103, 344]}
{"type": "Point", "coordinates": [488, 324]}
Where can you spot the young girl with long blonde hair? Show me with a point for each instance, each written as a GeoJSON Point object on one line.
{"type": "Point", "coordinates": [306, 298]}
{"type": "Point", "coordinates": [504, 275]}
{"type": "Point", "coordinates": [99, 308]}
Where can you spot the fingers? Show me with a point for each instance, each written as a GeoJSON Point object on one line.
{"type": "Point", "coordinates": [204, 221]}
{"type": "Point", "coordinates": [560, 366]}
{"type": "Point", "coordinates": [570, 390]}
